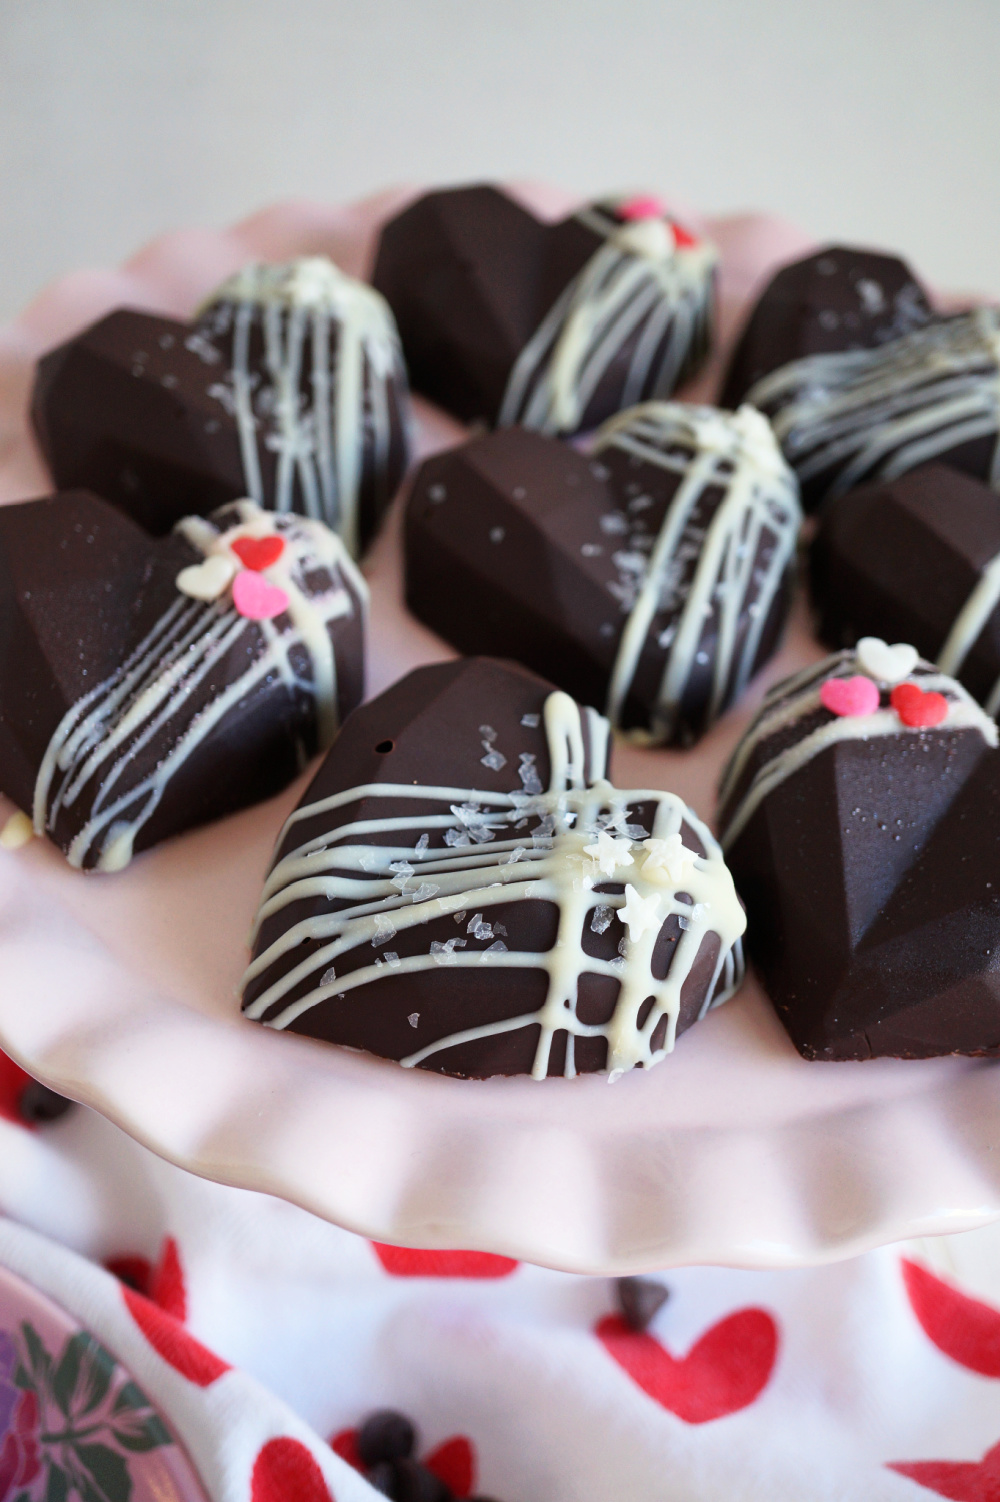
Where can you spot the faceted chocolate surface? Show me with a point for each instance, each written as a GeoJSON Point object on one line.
{"type": "Point", "coordinates": [470, 276]}
{"type": "Point", "coordinates": [144, 411]}
{"type": "Point", "coordinates": [519, 546]}
{"type": "Point", "coordinates": [837, 299]}
{"type": "Point", "coordinates": [473, 724]}
{"type": "Point", "coordinates": [870, 880]}
{"type": "Point", "coordinates": [901, 560]}
{"type": "Point", "coordinates": [89, 606]}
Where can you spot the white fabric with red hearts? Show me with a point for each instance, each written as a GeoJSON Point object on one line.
{"type": "Point", "coordinates": [265, 1336]}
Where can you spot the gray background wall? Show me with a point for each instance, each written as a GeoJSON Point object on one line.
{"type": "Point", "coordinates": [873, 120]}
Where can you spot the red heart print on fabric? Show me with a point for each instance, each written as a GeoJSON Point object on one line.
{"type": "Point", "coordinates": [168, 1288]}
{"type": "Point", "coordinates": [962, 1480]}
{"type": "Point", "coordinates": [13, 1080]}
{"type": "Point", "coordinates": [285, 1471]}
{"type": "Point", "coordinates": [454, 1463]}
{"type": "Point", "coordinates": [849, 697]}
{"type": "Point", "coordinates": [411, 1262]}
{"type": "Point", "coordinates": [918, 707]}
{"type": "Point", "coordinates": [137, 1272]}
{"type": "Point", "coordinates": [725, 1370]}
{"type": "Point", "coordinates": [258, 552]}
{"type": "Point", "coordinates": [965, 1329]}
{"type": "Point", "coordinates": [345, 1444]}
{"type": "Point", "coordinates": [170, 1340]}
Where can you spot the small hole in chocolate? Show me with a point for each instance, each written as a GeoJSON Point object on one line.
{"type": "Point", "coordinates": [384, 746]}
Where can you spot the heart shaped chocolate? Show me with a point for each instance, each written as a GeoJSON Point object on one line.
{"type": "Point", "coordinates": [836, 299]}
{"type": "Point", "coordinates": [864, 847]}
{"type": "Point", "coordinates": [651, 576]}
{"type": "Point", "coordinates": [919, 559]}
{"type": "Point", "coordinates": [461, 890]}
{"type": "Point", "coordinates": [506, 320]}
{"type": "Point", "coordinates": [874, 414]}
{"type": "Point", "coordinates": [288, 387]}
{"type": "Point", "coordinates": [133, 705]}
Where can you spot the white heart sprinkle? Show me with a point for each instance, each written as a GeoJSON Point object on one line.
{"type": "Point", "coordinates": [887, 664]}
{"type": "Point", "coordinates": [653, 239]}
{"type": "Point", "coordinates": [206, 581]}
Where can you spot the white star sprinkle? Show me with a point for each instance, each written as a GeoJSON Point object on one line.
{"type": "Point", "coordinates": [639, 913]}
{"type": "Point", "coordinates": [669, 861]}
{"type": "Point", "coordinates": [610, 853]}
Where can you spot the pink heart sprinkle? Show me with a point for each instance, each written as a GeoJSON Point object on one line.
{"type": "Point", "coordinates": [255, 598]}
{"type": "Point", "coordinates": [646, 207]}
{"type": "Point", "coordinates": [850, 696]}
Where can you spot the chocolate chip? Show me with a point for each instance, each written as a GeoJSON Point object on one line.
{"type": "Point", "coordinates": [415, 1483]}
{"type": "Point", "coordinates": [38, 1104]}
{"type": "Point", "coordinates": [385, 1435]}
{"type": "Point", "coordinates": [639, 1300]}
{"type": "Point", "coordinates": [382, 1477]}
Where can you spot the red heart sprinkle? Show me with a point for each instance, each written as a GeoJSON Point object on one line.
{"type": "Point", "coordinates": [918, 707]}
{"type": "Point", "coordinates": [850, 696]}
{"type": "Point", "coordinates": [683, 238]}
{"type": "Point", "coordinates": [258, 552]}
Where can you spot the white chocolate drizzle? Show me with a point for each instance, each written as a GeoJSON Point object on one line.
{"type": "Point", "coordinates": [337, 333]}
{"type": "Point", "coordinates": [638, 285]}
{"type": "Point", "coordinates": [158, 694]}
{"type": "Point", "coordinates": [582, 839]}
{"type": "Point", "coordinates": [968, 624]}
{"type": "Point", "coordinates": [798, 698]}
{"type": "Point", "coordinates": [736, 575]}
{"type": "Point", "coordinates": [877, 413]}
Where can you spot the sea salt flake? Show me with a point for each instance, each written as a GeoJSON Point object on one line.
{"type": "Point", "coordinates": [328, 977]}
{"type": "Point", "coordinates": [601, 918]}
{"type": "Point", "coordinates": [385, 929]}
{"type": "Point", "coordinates": [413, 1018]}
{"type": "Point", "coordinates": [444, 954]}
{"type": "Point", "coordinates": [494, 760]}
{"type": "Point", "coordinates": [424, 892]}
{"type": "Point", "coordinates": [531, 721]}
{"type": "Point", "coordinates": [422, 844]}
{"type": "Point", "coordinates": [498, 948]}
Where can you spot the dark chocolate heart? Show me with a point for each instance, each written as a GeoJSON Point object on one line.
{"type": "Point", "coordinates": [460, 890]}
{"type": "Point", "coordinates": [839, 298]}
{"type": "Point", "coordinates": [505, 319]}
{"type": "Point", "coordinates": [651, 576]}
{"type": "Point", "coordinates": [136, 700]}
{"type": "Point", "coordinates": [916, 560]}
{"type": "Point", "coordinates": [865, 851]}
{"type": "Point", "coordinates": [873, 414]}
{"type": "Point", "coordinates": [288, 388]}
